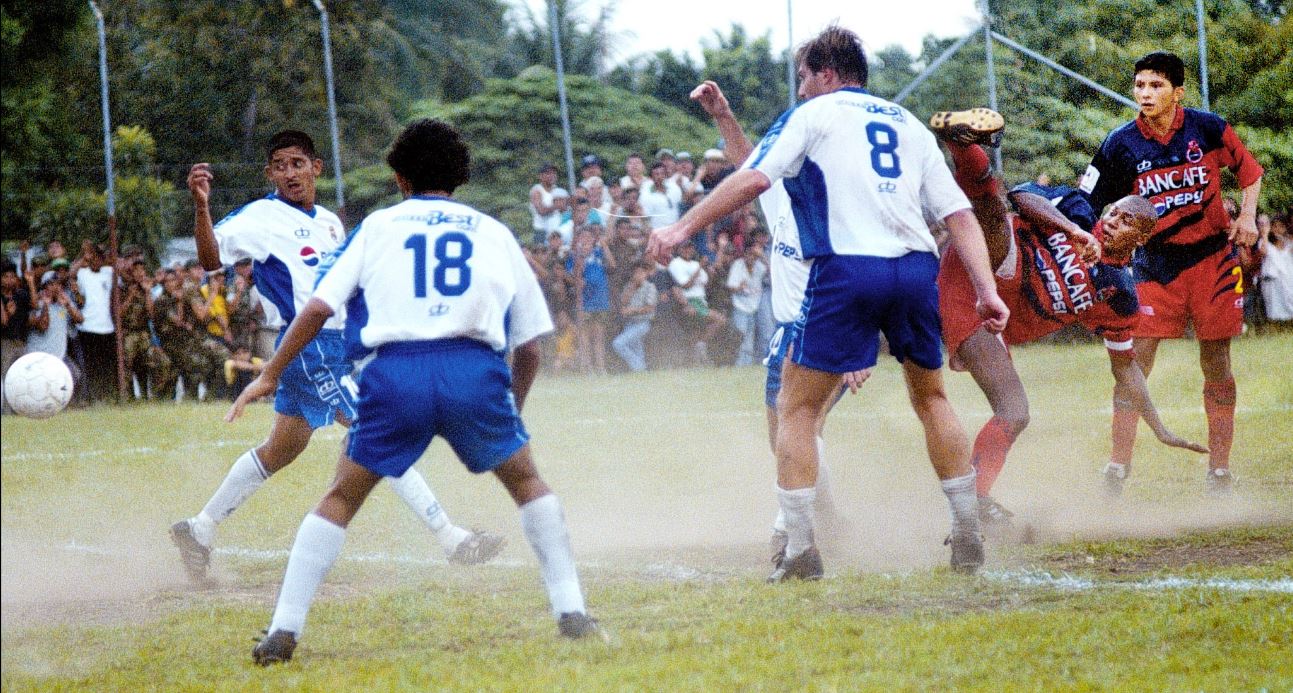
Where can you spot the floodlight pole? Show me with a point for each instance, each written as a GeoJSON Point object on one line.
{"type": "Point", "coordinates": [1203, 54]}
{"type": "Point", "coordinates": [115, 300]}
{"type": "Point", "coordinates": [992, 75]}
{"type": "Point", "coordinates": [332, 108]}
{"type": "Point", "coordinates": [790, 56]}
{"type": "Point", "coordinates": [932, 67]}
{"type": "Point", "coordinates": [561, 94]}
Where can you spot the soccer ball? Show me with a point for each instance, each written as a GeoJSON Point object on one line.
{"type": "Point", "coordinates": [38, 385]}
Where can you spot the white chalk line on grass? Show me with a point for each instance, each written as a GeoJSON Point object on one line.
{"type": "Point", "coordinates": [684, 573]}
{"type": "Point", "coordinates": [1071, 583]}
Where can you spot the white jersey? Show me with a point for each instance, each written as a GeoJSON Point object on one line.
{"type": "Point", "coordinates": [786, 264]}
{"type": "Point", "coordinates": [433, 268]}
{"type": "Point", "coordinates": [862, 173]}
{"type": "Point", "coordinates": [287, 246]}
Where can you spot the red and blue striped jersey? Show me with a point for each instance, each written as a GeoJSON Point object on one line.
{"type": "Point", "coordinates": [1180, 172]}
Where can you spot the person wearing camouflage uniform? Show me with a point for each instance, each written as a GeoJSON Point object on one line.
{"type": "Point", "coordinates": [144, 357]}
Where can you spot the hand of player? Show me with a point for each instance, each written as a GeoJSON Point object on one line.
{"type": "Point", "coordinates": [260, 387]}
{"type": "Point", "coordinates": [200, 178]}
{"type": "Point", "coordinates": [711, 98]}
{"type": "Point", "coordinates": [854, 379]}
{"type": "Point", "coordinates": [661, 242]}
{"type": "Point", "coordinates": [1172, 440]}
{"type": "Point", "coordinates": [1243, 231]}
{"type": "Point", "coordinates": [993, 311]}
{"type": "Point", "coordinates": [1088, 247]}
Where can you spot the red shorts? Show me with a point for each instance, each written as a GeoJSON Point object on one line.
{"type": "Point", "coordinates": [956, 304]}
{"type": "Point", "coordinates": [1209, 294]}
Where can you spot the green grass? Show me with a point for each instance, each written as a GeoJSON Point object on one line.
{"type": "Point", "coordinates": [666, 479]}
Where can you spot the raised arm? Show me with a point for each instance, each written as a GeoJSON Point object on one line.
{"type": "Point", "coordinates": [203, 229]}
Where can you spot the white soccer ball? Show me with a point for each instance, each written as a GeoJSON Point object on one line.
{"type": "Point", "coordinates": [38, 385]}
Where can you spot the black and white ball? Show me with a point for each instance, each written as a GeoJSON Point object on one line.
{"type": "Point", "coordinates": [38, 385]}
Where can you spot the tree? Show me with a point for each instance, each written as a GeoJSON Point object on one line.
{"type": "Point", "coordinates": [587, 47]}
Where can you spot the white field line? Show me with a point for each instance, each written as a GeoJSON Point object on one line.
{"type": "Point", "coordinates": [682, 573]}
{"type": "Point", "coordinates": [331, 436]}
{"type": "Point", "coordinates": [1070, 583]}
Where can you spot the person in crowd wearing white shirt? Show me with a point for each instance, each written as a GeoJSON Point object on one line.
{"type": "Point", "coordinates": [94, 276]}
{"type": "Point", "coordinates": [660, 198]}
{"type": "Point", "coordinates": [690, 279]}
{"type": "Point", "coordinates": [1277, 271]}
{"type": "Point", "coordinates": [446, 290]}
{"type": "Point", "coordinates": [545, 210]}
{"type": "Point", "coordinates": [635, 172]}
{"type": "Point", "coordinates": [289, 237]}
{"type": "Point", "coordinates": [746, 282]}
{"type": "Point", "coordinates": [861, 173]}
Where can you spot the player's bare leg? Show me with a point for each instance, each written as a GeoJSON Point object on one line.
{"type": "Point", "coordinates": [318, 543]}
{"type": "Point", "coordinates": [989, 364]}
{"type": "Point", "coordinates": [805, 392]}
{"type": "Point", "coordinates": [1219, 404]}
{"type": "Point", "coordinates": [545, 529]}
{"type": "Point", "coordinates": [949, 452]}
{"type": "Point", "coordinates": [824, 506]}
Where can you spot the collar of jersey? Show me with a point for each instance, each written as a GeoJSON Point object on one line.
{"type": "Point", "coordinates": [430, 197]}
{"type": "Point", "coordinates": [855, 90]}
{"type": "Point", "coordinates": [1150, 134]}
{"type": "Point", "coordinates": [299, 208]}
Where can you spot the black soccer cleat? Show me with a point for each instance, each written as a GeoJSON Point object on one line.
{"type": "Point", "coordinates": [274, 649]}
{"type": "Point", "coordinates": [577, 625]}
{"type": "Point", "coordinates": [479, 547]}
{"type": "Point", "coordinates": [982, 126]}
{"type": "Point", "coordinates": [993, 516]}
{"type": "Point", "coordinates": [967, 551]}
{"type": "Point", "coordinates": [1219, 482]}
{"type": "Point", "coordinates": [1114, 477]}
{"type": "Point", "coordinates": [805, 566]}
{"type": "Point", "coordinates": [195, 556]}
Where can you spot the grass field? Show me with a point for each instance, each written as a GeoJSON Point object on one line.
{"type": "Point", "coordinates": [667, 484]}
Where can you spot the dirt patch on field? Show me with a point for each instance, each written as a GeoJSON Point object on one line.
{"type": "Point", "coordinates": [1170, 555]}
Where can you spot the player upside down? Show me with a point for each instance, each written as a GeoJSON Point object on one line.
{"type": "Point", "coordinates": [1051, 273]}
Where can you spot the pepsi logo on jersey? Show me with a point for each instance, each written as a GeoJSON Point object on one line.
{"type": "Point", "coordinates": [309, 256]}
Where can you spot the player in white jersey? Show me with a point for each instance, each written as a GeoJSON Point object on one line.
{"type": "Point", "coordinates": [863, 175]}
{"type": "Point", "coordinates": [447, 290]}
{"type": "Point", "coordinates": [789, 272]}
{"type": "Point", "coordinates": [287, 236]}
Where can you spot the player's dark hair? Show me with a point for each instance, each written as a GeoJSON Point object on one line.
{"type": "Point", "coordinates": [290, 138]}
{"type": "Point", "coordinates": [836, 48]}
{"type": "Point", "coordinates": [431, 155]}
{"type": "Point", "coordinates": [1166, 64]}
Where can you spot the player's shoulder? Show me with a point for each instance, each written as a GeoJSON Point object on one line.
{"type": "Point", "coordinates": [1210, 124]}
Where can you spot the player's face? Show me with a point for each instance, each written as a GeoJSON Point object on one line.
{"type": "Point", "coordinates": [293, 173]}
{"type": "Point", "coordinates": [1124, 230]}
{"type": "Point", "coordinates": [1155, 94]}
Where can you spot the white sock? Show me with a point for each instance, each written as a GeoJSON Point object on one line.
{"type": "Point", "coordinates": [244, 477]}
{"type": "Point", "coordinates": [964, 503]}
{"type": "Point", "coordinates": [797, 506]}
{"type": "Point", "coordinates": [545, 529]}
{"type": "Point", "coordinates": [413, 490]}
{"type": "Point", "coordinates": [318, 542]}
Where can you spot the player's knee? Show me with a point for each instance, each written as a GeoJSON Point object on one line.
{"type": "Point", "coordinates": [1014, 417]}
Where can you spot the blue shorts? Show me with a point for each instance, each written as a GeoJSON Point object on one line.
{"type": "Point", "coordinates": [776, 357]}
{"type": "Point", "coordinates": [312, 386]}
{"type": "Point", "coordinates": [851, 299]}
{"type": "Point", "coordinates": [413, 391]}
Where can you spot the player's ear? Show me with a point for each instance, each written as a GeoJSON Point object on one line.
{"type": "Point", "coordinates": [317, 165]}
{"type": "Point", "coordinates": [1178, 93]}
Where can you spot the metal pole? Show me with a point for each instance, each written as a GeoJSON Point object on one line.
{"type": "Point", "coordinates": [933, 67]}
{"type": "Point", "coordinates": [790, 56]}
{"type": "Point", "coordinates": [561, 94]}
{"type": "Point", "coordinates": [1203, 54]}
{"type": "Point", "coordinates": [115, 300]}
{"type": "Point", "coordinates": [1065, 71]}
{"type": "Point", "coordinates": [332, 109]}
{"type": "Point", "coordinates": [992, 75]}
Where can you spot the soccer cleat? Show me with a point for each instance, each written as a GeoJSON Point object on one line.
{"type": "Point", "coordinates": [993, 516]}
{"type": "Point", "coordinates": [805, 566]}
{"type": "Point", "coordinates": [479, 547]}
{"type": "Point", "coordinates": [1219, 482]}
{"type": "Point", "coordinates": [967, 551]}
{"type": "Point", "coordinates": [195, 556]}
{"type": "Point", "coordinates": [577, 625]}
{"type": "Point", "coordinates": [778, 546]}
{"type": "Point", "coordinates": [1113, 480]}
{"type": "Point", "coordinates": [981, 126]}
{"type": "Point", "coordinates": [275, 648]}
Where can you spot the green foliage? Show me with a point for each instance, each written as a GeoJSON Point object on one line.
{"type": "Point", "coordinates": [515, 125]}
